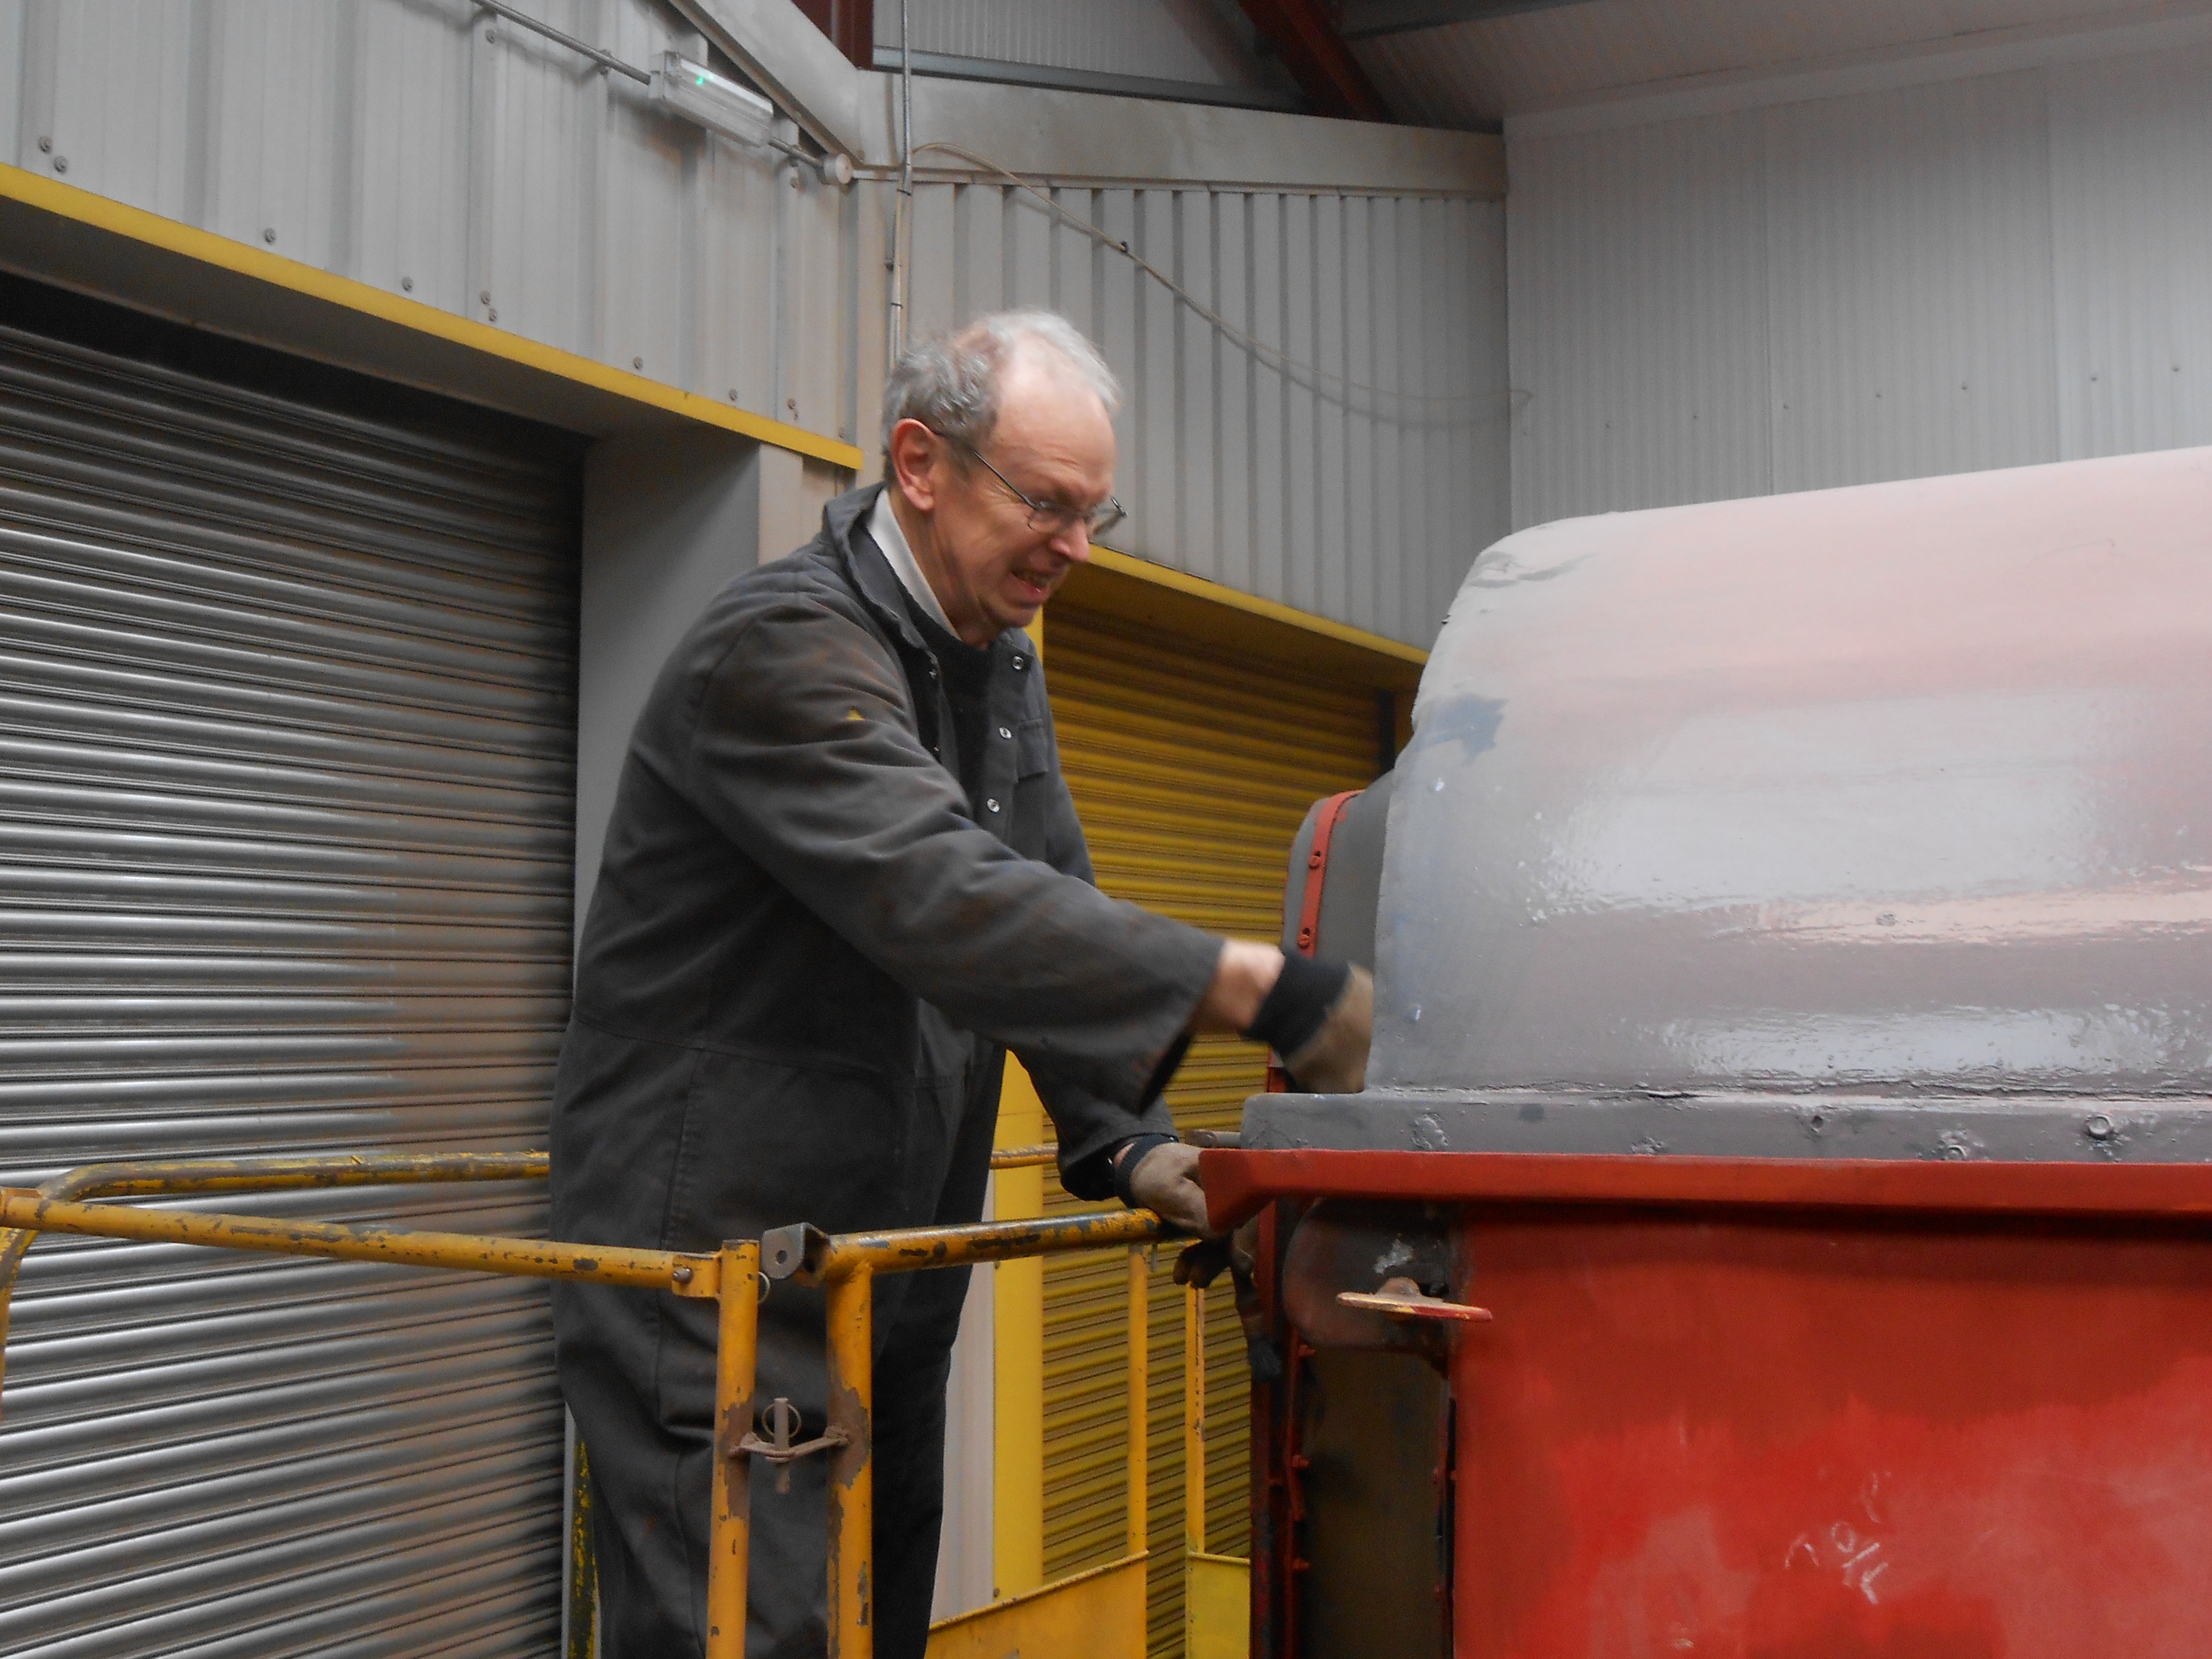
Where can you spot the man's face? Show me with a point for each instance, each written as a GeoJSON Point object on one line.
{"type": "Point", "coordinates": [1053, 442]}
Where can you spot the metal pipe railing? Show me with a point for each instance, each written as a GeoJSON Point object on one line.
{"type": "Point", "coordinates": [843, 1265]}
{"type": "Point", "coordinates": [149, 1178]}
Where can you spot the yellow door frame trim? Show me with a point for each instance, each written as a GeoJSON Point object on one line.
{"type": "Point", "coordinates": [1122, 585]}
{"type": "Point", "coordinates": [100, 212]}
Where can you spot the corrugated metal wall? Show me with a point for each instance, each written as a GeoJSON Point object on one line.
{"type": "Point", "coordinates": [1980, 273]}
{"type": "Point", "coordinates": [431, 149]}
{"type": "Point", "coordinates": [1361, 504]}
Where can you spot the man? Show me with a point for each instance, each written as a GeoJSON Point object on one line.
{"type": "Point", "coordinates": [842, 878]}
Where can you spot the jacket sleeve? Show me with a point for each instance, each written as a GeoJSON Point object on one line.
{"type": "Point", "coordinates": [801, 748]}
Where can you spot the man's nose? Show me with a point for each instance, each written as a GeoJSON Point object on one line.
{"type": "Point", "coordinates": [1072, 543]}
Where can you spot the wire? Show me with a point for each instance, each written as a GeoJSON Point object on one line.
{"type": "Point", "coordinates": [1291, 367]}
{"type": "Point", "coordinates": [604, 59]}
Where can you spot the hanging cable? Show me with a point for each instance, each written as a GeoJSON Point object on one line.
{"type": "Point", "coordinates": [1290, 367]}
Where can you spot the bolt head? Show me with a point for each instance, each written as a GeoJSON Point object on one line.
{"type": "Point", "coordinates": [637, 363]}
{"type": "Point", "coordinates": [406, 284]}
{"type": "Point", "coordinates": [269, 235]}
{"type": "Point", "coordinates": [61, 164]}
{"type": "Point", "coordinates": [46, 147]}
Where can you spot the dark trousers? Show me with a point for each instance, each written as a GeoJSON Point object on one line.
{"type": "Point", "coordinates": [652, 1469]}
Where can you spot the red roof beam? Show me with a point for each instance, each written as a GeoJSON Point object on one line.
{"type": "Point", "coordinates": [1302, 35]}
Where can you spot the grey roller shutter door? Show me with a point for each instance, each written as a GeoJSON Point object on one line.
{"type": "Point", "coordinates": [286, 745]}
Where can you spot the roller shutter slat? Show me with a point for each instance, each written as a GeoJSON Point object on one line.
{"type": "Point", "coordinates": [1191, 769]}
{"type": "Point", "coordinates": [287, 776]}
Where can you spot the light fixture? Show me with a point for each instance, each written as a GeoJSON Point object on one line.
{"type": "Point", "coordinates": [697, 94]}
{"type": "Point", "coordinates": [714, 101]}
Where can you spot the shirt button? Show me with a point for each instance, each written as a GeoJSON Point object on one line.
{"type": "Point", "coordinates": [993, 805]}
{"type": "Point", "coordinates": [1020, 663]}
{"type": "Point", "coordinates": [1006, 733]}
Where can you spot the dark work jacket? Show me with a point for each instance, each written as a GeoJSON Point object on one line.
{"type": "Point", "coordinates": [808, 950]}
{"type": "Point", "coordinates": [792, 869]}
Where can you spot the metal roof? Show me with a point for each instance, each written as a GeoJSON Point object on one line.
{"type": "Point", "coordinates": [1521, 56]}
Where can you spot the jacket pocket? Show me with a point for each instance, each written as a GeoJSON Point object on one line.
{"type": "Point", "coordinates": [1032, 748]}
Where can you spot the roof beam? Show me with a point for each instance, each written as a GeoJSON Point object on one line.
{"type": "Point", "coordinates": [1302, 35]}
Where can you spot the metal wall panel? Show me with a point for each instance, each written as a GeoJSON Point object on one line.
{"type": "Point", "coordinates": [472, 165]}
{"type": "Point", "coordinates": [1980, 273]}
{"type": "Point", "coordinates": [1909, 276]}
{"type": "Point", "coordinates": [1363, 502]}
{"type": "Point", "coordinates": [1189, 40]}
{"type": "Point", "coordinates": [1638, 303]}
{"type": "Point", "coordinates": [433, 151]}
{"type": "Point", "coordinates": [287, 728]}
{"type": "Point", "coordinates": [2131, 191]}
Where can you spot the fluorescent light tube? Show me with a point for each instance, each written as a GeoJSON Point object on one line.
{"type": "Point", "coordinates": [713, 102]}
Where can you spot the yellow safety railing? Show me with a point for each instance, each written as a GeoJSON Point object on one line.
{"type": "Point", "coordinates": [1215, 1588]}
{"type": "Point", "coordinates": [845, 1266]}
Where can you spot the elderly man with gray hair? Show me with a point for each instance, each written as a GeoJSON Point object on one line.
{"type": "Point", "coordinates": [843, 878]}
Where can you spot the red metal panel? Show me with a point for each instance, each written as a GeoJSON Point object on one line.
{"type": "Point", "coordinates": [1700, 1434]}
{"type": "Point", "coordinates": [1238, 1182]}
{"type": "Point", "coordinates": [1788, 1410]}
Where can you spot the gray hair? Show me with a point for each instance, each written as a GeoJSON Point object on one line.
{"type": "Point", "coordinates": [951, 383]}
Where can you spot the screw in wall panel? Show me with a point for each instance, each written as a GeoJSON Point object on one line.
{"type": "Point", "coordinates": [637, 363]}
{"type": "Point", "coordinates": [46, 147]}
{"type": "Point", "coordinates": [61, 164]}
{"type": "Point", "coordinates": [269, 235]}
{"type": "Point", "coordinates": [406, 284]}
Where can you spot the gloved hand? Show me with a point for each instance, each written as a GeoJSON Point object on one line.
{"type": "Point", "coordinates": [1165, 1178]}
{"type": "Point", "coordinates": [1320, 1017]}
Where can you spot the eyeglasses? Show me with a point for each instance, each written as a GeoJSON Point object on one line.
{"type": "Point", "coordinates": [1052, 518]}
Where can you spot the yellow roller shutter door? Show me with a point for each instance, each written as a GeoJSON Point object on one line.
{"type": "Point", "coordinates": [1192, 766]}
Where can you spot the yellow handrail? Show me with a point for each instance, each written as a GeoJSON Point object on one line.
{"type": "Point", "coordinates": [844, 1265]}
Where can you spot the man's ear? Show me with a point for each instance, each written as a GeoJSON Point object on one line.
{"type": "Point", "coordinates": [917, 459]}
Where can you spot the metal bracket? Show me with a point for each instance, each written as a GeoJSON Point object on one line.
{"type": "Point", "coordinates": [783, 1419]}
{"type": "Point", "coordinates": [1402, 1298]}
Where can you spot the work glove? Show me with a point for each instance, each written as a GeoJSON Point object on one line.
{"type": "Point", "coordinates": [1161, 1175]}
{"type": "Point", "coordinates": [1320, 1017]}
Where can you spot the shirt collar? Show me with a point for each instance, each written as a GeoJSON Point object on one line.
{"type": "Point", "coordinates": [883, 527]}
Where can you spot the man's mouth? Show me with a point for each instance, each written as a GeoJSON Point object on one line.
{"type": "Point", "coordinates": [1034, 587]}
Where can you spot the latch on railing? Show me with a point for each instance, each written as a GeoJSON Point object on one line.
{"type": "Point", "coordinates": [782, 1420]}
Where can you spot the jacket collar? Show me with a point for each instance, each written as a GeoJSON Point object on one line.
{"type": "Point", "coordinates": [845, 519]}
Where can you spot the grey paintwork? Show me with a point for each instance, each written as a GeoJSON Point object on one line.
{"type": "Point", "coordinates": [1890, 806]}
{"type": "Point", "coordinates": [2135, 1129]}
